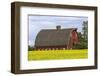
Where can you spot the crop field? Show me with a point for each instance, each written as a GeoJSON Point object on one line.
{"type": "Point", "coordinates": [57, 54]}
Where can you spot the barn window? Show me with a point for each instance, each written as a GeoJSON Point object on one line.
{"type": "Point", "coordinates": [48, 49]}
{"type": "Point", "coordinates": [53, 48]}
{"type": "Point", "coordinates": [63, 48]}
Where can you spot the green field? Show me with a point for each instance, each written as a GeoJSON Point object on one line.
{"type": "Point", "coordinates": [57, 54]}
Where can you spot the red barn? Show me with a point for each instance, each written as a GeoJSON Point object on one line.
{"type": "Point", "coordinates": [56, 38]}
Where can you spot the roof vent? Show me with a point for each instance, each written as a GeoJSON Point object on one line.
{"type": "Point", "coordinates": [58, 27]}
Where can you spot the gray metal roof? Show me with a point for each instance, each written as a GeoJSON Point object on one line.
{"type": "Point", "coordinates": [53, 37]}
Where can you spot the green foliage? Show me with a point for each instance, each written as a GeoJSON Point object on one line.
{"type": "Point", "coordinates": [85, 30]}
{"type": "Point", "coordinates": [30, 48]}
{"type": "Point", "coordinates": [82, 45]}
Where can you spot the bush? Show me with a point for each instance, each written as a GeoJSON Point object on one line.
{"type": "Point", "coordinates": [82, 45]}
{"type": "Point", "coordinates": [30, 48]}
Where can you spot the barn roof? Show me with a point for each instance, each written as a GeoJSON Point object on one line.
{"type": "Point", "coordinates": [53, 37]}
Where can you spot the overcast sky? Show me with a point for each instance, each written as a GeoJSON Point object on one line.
{"type": "Point", "coordinates": [36, 23]}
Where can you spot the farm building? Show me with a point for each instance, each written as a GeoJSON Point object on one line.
{"type": "Point", "coordinates": [56, 38]}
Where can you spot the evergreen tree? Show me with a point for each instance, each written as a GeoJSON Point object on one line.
{"type": "Point", "coordinates": [85, 30]}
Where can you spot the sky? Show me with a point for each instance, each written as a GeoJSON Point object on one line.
{"type": "Point", "coordinates": [39, 22]}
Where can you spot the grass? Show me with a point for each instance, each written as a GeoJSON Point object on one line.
{"type": "Point", "coordinates": [57, 54]}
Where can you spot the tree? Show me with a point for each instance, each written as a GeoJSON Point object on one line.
{"type": "Point", "coordinates": [85, 30]}
{"type": "Point", "coordinates": [30, 48]}
{"type": "Point", "coordinates": [83, 37]}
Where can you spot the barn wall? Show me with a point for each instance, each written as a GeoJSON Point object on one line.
{"type": "Point", "coordinates": [75, 37]}
{"type": "Point", "coordinates": [50, 47]}
{"type": "Point", "coordinates": [73, 40]}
